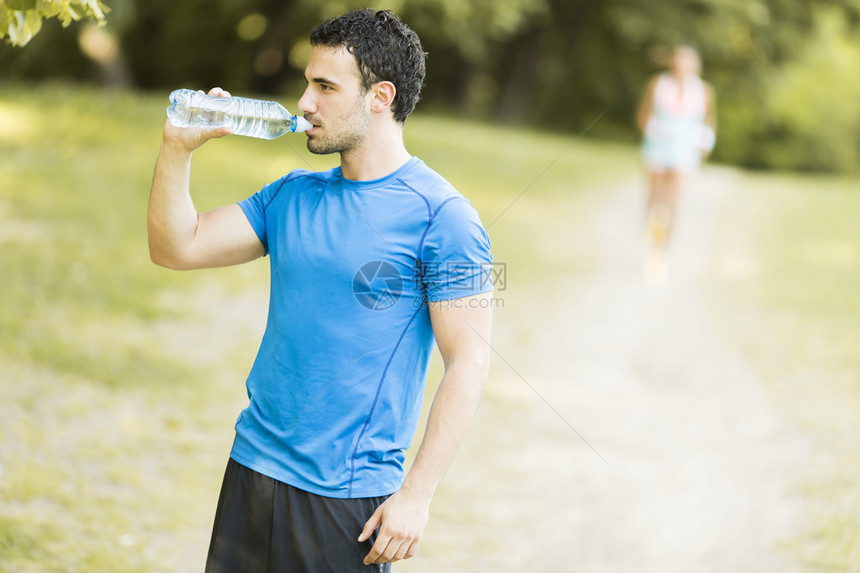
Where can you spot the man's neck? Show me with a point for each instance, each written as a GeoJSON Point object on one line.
{"type": "Point", "coordinates": [379, 155]}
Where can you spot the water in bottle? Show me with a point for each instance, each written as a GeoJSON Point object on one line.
{"type": "Point", "coordinates": [244, 116]}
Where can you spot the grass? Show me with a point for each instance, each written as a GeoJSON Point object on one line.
{"type": "Point", "coordinates": [802, 241]}
{"type": "Point", "coordinates": [119, 382]}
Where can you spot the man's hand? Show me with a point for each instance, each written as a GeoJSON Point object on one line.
{"type": "Point", "coordinates": [401, 520]}
{"type": "Point", "coordinates": [179, 237]}
{"type": "Point", "coordinates": [190, 138]}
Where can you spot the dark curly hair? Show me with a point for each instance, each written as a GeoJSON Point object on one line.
{"type": "Point", "coordinates": [385, 49]}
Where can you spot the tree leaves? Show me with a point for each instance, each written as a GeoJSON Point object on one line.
{"type": "Point", "coordinates": [20, 20]}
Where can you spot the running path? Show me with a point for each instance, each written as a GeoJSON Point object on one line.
{"type": "Point", "coordinates": [619, 432]}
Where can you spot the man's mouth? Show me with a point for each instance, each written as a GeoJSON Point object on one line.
{"type": "Point", "coordinates": [314, 123]}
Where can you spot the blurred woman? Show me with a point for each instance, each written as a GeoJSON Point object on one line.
{"type": "Point", "coordinates": [678, 121]}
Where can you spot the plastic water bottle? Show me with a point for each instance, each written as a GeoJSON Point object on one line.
{"type": "Point", "coordinates": [244, 116]}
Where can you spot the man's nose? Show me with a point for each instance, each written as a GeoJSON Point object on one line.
{"type": "Point", "coordinates": [306, 104]}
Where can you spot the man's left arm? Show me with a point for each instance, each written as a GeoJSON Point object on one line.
{"type": "Point", "coordinates": [462, 330]}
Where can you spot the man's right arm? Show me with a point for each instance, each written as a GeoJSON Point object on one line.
{"type": "Point", "coordinates": [179, 237]}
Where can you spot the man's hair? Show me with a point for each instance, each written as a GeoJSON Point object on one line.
{"type": "Point", "coordinates": [384, 48]}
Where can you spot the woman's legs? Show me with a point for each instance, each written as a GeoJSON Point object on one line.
{"type": "Point", "coordinates": [664, 189]}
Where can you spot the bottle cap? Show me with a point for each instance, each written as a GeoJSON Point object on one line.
{"type": "Point", "coordinates": [302, 124]}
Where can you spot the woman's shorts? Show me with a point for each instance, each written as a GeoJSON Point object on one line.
{"type": "Point", "coordinates": [672, 146]}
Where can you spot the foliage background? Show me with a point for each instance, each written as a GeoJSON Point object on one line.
{"type": "Point", "coordinates": [784, 70]}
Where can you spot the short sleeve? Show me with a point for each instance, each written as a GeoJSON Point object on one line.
{"type": "Point", "coordinates": [455, 256]}
{"type": "Point", "coordinates": [255, 206]}
{"type": "Point", "coordinates": [255, 210]}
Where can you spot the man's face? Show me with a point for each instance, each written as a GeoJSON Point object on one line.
{"type": "Point", "coordinates": [334, 101]}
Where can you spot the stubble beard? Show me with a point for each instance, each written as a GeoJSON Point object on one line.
{"type": "Point", "coordinates": [355, 126]}
{"type": "Point", "coordinates": [342, 143]}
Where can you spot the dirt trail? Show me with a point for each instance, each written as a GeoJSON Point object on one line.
{"type": "Point", "coordinates": [688, 467]}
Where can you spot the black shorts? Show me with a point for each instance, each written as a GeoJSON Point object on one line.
{"type": "Point", "coordinates": [266, 526]}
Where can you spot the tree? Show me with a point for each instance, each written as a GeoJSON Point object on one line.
{"type": "Point", "coordinates": [20, 20]}
{"type": "Point", "coordinates": [553, 63]}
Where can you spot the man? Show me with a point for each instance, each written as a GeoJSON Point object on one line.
{"type": "Point", "coordinates": [369, 262]}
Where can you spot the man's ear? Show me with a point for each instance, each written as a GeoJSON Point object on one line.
{"type": "Point", "coordinates": [383, 96]}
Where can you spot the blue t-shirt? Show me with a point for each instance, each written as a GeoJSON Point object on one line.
{"type": "Point", "coordinates": [336, 389]}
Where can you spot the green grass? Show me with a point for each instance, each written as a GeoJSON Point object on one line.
{"type": "Point", "coordinates": [803, 237]}
{"type": "Point", "coordinates": [121, 380]}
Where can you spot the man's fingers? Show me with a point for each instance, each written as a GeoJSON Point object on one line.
{"type": "Point", "coordinates": [399, 530]}
{"type": "Point", "coordinates": [221, 132]}
{"type": "Point", "coordinates": [390, 548]}
{"type": "Point", "coordinates": [391, 552]}
{"type": "Point", "coordinates": [370, 525]}
{"type": "Point", "coordinates": [218, 92]}
{"type": "Point", "coordinates": [405, 551]}
{"type": "Point", "coordinates": [413, 549]}
{"type": "Point", "coordinates": [192, 137]}
{"type": "Point", "coordinates": [377, 551]}
{"type": "Point", "coordinates": [395, 550]}
{"type": "Point", "coordinates": [385, 550]}
{"type": "Point", "coordinates": [201, 135]}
